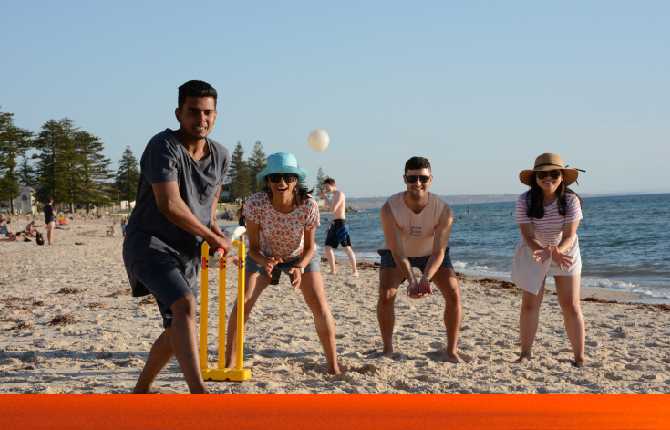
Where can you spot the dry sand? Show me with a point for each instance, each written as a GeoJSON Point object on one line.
{"type": "Point", "coordinates": [68, 325]}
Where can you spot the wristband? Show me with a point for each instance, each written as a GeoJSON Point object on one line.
{"type": "Point", "coordinates": [302, 269]}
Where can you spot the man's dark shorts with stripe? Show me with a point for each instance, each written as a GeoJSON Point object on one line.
{"type": "Point", "coordinates": [418, 262]}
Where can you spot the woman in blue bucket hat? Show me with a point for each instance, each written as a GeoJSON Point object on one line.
{"type": "Point", "coordinates": [281, 223]}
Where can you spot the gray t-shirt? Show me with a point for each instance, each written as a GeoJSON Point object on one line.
{"type": "Point", "coordinates": [150, 236]}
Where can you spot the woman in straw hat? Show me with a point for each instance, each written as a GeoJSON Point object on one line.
{"type": "Point", "coordinates": [548, 216]}
{"type": "Point", "coordinates": [281, 223]}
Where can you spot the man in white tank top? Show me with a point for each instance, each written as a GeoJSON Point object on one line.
{"type": "Point", "coordinates": [417, 225]}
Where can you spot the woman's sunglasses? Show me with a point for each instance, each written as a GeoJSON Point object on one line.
{"type": "Point", "coordinates": [276, 178]}
{"type": "Point", "coordinates": [555, 174]}
{"type": "Point", "coordinates": [411, 179]}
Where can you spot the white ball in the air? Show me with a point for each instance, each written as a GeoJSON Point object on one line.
{"type": "Point", "coordinates": [318, 140]}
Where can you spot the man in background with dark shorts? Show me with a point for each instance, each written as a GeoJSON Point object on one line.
{"type": "Point", "coordinates": [181, 173]}
{"type": "Point", "coordinates": [417, 225]}
{"type": "Point", "coordinates": [338, 232]}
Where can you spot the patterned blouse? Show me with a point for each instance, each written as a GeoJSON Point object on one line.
{"type": "Point", "coordinates": [281, 234]}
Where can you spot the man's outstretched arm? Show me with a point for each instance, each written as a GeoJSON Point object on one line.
{"type": "Point", "coordinates": [440, 243]}
{"type": "Point", "coordinates": [394, 241]}
{"type": "Point", "coordinates": [171, 205]}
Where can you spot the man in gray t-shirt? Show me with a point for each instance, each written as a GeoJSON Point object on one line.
{"type": "Point", "coordinates": [181, 173]}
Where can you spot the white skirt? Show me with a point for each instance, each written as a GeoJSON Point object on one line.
{"type": "Point", "coordinates": [528, 274]}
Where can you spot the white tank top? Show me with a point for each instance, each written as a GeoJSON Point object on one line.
{"type": "Point", "coordinates": [417, 230]}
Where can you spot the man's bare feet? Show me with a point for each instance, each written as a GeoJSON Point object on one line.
{"type": "Point", "coordinates": [355, 274]}
{"type": "Point", "coordinates": [332, 273]}
{"type": "Point", "coordinates": [386, 354]}
{"type": "Point", "coordinates": [455, 358]}
{"type": "Point", "coordinates": [585, 363]}
{"type": "Point", "coordinates": [155, 390]}
{"type": "Point", "coordinates": [338, 368]}
{"type": "Point", "coordinates": [522, 359]}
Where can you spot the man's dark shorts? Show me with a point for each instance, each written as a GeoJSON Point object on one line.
{"type": "Point", "coordinates": [165, 282]}
{"type": "Point", "coordinates": [338, 233]}
{"type": "Point", "coordinates": [252, 267]}
{"type": "Point", "coordinates": [418, 262]}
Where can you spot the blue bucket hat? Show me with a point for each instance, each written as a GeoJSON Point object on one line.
{"type": "Point", "coordinates": [282, 162]}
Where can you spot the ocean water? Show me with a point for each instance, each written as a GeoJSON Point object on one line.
{"type": "Point", "coordinates": [624, 242]}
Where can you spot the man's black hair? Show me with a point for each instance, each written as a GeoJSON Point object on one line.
{"type": "Point", "coordinates": [196, 89]}
{"type": "Point", "coordinates": [329, 181]}
{"type": "Point", "coordinates": [416, 163]}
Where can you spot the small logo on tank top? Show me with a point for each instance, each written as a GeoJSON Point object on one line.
{"type": "Point", "coordinates": [415, 230]}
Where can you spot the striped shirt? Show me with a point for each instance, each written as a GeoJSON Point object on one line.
{"type": "Point", "coordinates": [549, 229]}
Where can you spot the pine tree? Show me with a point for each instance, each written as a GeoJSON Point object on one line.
{"type": "Point", "coordinates": [51, 167]}
{"type": "Point", "coordinates": [14, 142]}
{"type": "Point", "coordinates": [127, 176]}
{"type": "Point", "coordinates": [318, 184]}
{"type": "Point", "coordinates": [93, 171]}
{"type": "Point", "coordinates": [26, 172]}
{"type": "Point", "coordinates": [239, 175]}
{"type": "Point", "coordinates": [71, 163]}
{"type": "Point", "coordinates": [257, 162]}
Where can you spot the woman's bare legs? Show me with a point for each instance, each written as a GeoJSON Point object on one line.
{"type": "Point", "coordinates": [567, 289]}
{"type": "Point", "coordinates": [254, 285]}
{"type": "Point", "coordinates": [50, 232]}
{"type": "Point", "coordinates": [312, 290]}
{"type": "Point", "coordinates": [529, 320]}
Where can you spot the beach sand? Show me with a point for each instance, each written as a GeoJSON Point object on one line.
{"type": "Point", "coordinates": [69, 325]}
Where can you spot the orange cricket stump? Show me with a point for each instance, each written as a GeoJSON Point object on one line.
{"type": "Point", "coordinates": [238, 374]}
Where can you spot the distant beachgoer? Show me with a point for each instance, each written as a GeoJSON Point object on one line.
{"type": "Point", "coordinates": [30, 230]}
{"type": "Point", "coordinates": [124, 223]}
{"type": "Point", "coordinates": [417, 225]}
{"type": "Point", "coordinates": [338, 232]}
{"type": "Point", "coordinates": [112, 229]}
{"type": "Point", "coordinates": [548, 216]}
{"type": "Point", "coordinates": [281, 224]}
{"type": "Point", "coordinates": [241, 220]}
{"type": "Point", "coordinates": [50, 219]}
{"type": "Point", "coordinates": [181, 173]}
{"type": "Point", "coordinates": [5, 228]}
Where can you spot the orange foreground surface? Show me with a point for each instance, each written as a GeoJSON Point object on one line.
{"type": "Point", "coordinates": [334, 411]}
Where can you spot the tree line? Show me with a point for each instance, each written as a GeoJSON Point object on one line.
{"type": "Point", "coordinates": [66, 163]}
{"type": "Point", "coordinates": [63, 162]}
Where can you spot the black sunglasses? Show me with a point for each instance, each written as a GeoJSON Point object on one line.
{"type": "Point", "coordinates": [411, 179]}
{"type": "Point", "coordinates": [276, 178]}
{"type": "Point", "coordinates": [555, 174]}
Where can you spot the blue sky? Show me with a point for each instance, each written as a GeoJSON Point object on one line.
{"type": "Point", "coordinates": [479, 88]}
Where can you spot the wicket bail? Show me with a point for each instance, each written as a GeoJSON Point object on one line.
{"type": "Point", "coordinates": [237, 374]}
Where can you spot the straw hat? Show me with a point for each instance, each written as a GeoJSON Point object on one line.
{"type": "Point", "coordinates": [282, 162]}
{"type": "Point", "coordinates": [549, 162]}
